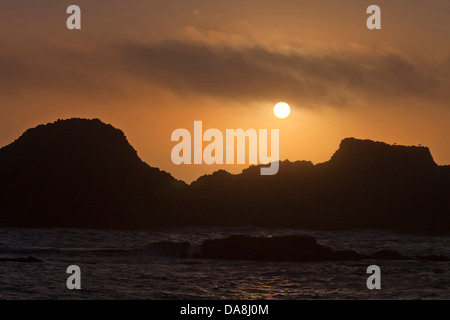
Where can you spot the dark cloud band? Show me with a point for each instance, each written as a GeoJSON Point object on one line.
{"type": "Point", "coordinates": [238, 73]}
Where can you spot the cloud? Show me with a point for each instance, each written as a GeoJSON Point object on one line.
{"type": "Point", "coordinates": [256, 73]}
{"type": "Point", "coordinates": [246, 73]}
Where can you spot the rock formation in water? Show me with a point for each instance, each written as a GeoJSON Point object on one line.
{"type": "Point", "coordinates": [291, 248]}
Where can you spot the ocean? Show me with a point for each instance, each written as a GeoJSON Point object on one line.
{"type": "Point", "coordinates": [147, 265]}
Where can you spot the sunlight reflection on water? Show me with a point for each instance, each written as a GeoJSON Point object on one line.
{"type": "Point", "coordinates": [119, 265]}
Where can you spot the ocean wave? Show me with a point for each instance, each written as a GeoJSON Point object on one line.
{"type": "Point", "coordinates": [237, 247]}
{"type": "Point", "coordinates": [160, 248]}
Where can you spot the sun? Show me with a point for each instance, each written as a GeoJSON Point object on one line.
{"type": "Point", "coordinates": [281, 110]}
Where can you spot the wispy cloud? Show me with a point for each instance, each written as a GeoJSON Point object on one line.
{"type": "Point", "coordinates": [257, 73]}
{"type": "Point", "coordinates": [224, 72]}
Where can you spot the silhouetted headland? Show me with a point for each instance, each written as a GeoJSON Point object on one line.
{"type": "Point", "coordinates": [83, 173]}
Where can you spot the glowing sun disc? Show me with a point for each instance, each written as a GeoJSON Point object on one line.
{"type": "Point", "coordinates": [281, 110]}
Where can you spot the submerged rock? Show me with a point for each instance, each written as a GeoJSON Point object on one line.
{"type": "Point", "coordinates": [388, 255]}
{"type": "Point", "coordinates": [433, 257]}
{"type": "Point", "coordinates": [28, 259]}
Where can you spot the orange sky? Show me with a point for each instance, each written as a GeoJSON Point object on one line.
{"type": "Point", "coordinates": [149, 67]}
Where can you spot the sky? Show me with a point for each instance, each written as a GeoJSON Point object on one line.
{"type": "Point", "coordinates": [149, 67]}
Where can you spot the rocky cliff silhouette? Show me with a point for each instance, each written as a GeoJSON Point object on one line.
{"type": "Point", "coordinates": [83, 173]}
{"type": "Point", "coordinates": [365, 184]}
